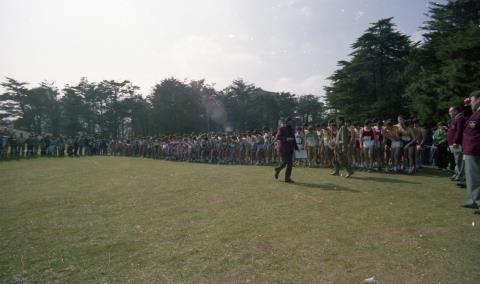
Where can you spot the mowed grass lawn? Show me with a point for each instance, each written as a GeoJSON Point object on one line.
{"type": "Point", "coordinates": [104, 219]}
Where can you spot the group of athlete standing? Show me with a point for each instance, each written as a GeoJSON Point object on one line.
{"type": "Point", "coordinates": [372, 145]}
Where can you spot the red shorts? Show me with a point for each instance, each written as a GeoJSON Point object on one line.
{"type": "Point", "coordinates": [357, 144]}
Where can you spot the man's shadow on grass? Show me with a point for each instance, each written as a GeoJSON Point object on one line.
{"type": "Point", "coordinates": [433, 172]}
{"type": "Point", "coordinates": [326, 186]}
{"type": "Point", "coordinates": [384, 179]}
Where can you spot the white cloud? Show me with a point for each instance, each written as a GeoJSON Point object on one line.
{"type": "Point", "coordinates": [197, 57]}
{"type": "Point", "coordinates": [359, 15]}
{"type": "Point", "coordinates": [292, 2]}
{"type": "Point", "coordinates": [306, 11]}
{"type": "Point", "coordinates": [311, 85]}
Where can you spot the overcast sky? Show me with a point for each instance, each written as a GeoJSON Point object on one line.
{"type": "Point", "coordinates": [279, 45]}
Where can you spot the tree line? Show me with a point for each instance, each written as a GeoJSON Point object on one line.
{"type": "Point", "coordinates": [116, 109]}
{"type": "Point", "coordinates": [387, 74]}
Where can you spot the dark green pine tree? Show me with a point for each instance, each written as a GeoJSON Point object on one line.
{"type": "Point", "coordinates": [73, 110]}
{"type": "Point", "coordinates": [176, 108]}
{"type": "Point", "coordinates": [309, 108]}
{"type": "Point", "coordinates": [239, 102]}
{"type": "Point", "coordinates": [137, 117]}
{"type": "Point", "coordinates": [371, 83]}
{"type": "Point", "coordinates": [36, 110]}
{"type": "Point", "coordinates": [13, 103]}
{"type": "Point", "coordinates": [446, 68]}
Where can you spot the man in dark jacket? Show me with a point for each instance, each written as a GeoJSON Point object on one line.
{"type": "Point", "coordinates": [287, 145]}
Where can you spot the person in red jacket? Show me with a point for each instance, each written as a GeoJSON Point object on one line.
{"type": "Point", "coordinates": [471, 152]}
{"type": "Point", "coordinates": [454, 139]}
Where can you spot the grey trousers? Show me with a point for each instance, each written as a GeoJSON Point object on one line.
{"type": "Point", "coordinates": [472, 175]}
{"type": "Point", "coordinates": [459, 165]}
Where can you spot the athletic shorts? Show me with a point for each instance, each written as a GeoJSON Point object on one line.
{"type": "Point", "coordinates": [397, 144]}
{"type": "Point", "coordinates": [368, 144]}
{"type": "Point", "coordinates": [311, 144]}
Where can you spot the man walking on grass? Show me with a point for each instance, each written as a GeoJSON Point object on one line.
{"type": "Point", "coordinates": [287, 145]}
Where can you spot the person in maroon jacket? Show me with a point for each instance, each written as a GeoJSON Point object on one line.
{"type": "Point", "coordinates": [454, 139]}
{"type": "Point", "coordinates": [471, 152]}
{"type": "Point", "coordinates": [286, 136]}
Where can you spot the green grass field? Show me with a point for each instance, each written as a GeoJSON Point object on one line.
{"type": "Point", "coordinates": [103, 219]}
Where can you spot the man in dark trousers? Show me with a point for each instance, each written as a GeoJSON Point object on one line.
{"type": "Point", "coordinates": [286, 136]}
